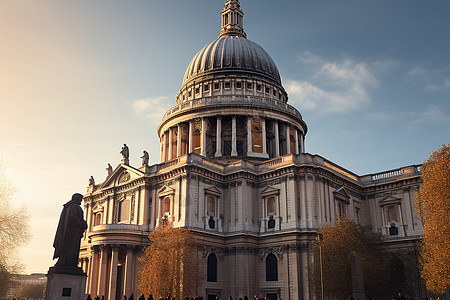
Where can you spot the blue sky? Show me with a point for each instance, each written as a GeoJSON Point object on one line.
{"type": "Point", "coordinates": [80, 78]}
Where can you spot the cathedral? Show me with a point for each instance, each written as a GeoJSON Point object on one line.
{"type": "Point", "coordinates": [234, 168]}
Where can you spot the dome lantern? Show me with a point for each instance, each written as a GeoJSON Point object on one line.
{"type": "Point", "coordinates": [232, 19]}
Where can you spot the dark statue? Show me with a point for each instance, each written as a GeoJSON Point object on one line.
{"type": "Point", "coordinates": [68, 236]}
{"type": "Point", "coordinates": [125, 152]}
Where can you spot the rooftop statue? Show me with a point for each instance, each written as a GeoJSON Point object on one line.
{"type": "Point", "coordinates": [109, 169]}
{"type": "Point", "coordinates": [125, 152]}
{"type": "Point", "coordinates": [91, 181]}
{"type": "Point", "coordinates": [69, 233]}
{"type": "Point", "coordinates": [145, 158]}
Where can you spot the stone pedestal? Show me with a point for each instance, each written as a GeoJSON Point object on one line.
{"type": "Point", "coordinates": [65, 284]}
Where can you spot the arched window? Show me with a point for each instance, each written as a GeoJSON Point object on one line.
{"type": "Point", "coordinates": [97, 219]}
{"type": "Point", "coordinates": [271, 206]}
{"type": "Point", "coordinates": [212, 268]}
{"type": "Point", "coordinates": [271, 268]}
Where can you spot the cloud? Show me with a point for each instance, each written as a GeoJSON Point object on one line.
{"type": "Point", "coordinates": [431, 79]}
{"type": "Point", "coordinates": [433, 114]}
{"type": "Point", "coordinates": [334, 87]}
{"type": "Point", "coordinates": [152, 109]}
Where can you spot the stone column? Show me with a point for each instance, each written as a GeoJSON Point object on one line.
{"type": "Point", "coordinates": [233, 136]}
{"type": "Point", "coordinates": [203, 136]}
{"type": "Point", "coordinates": [302, 141]}
{"type": "Point", "coordinates": [190, 137]}
{"type": "Point", "coordinates": [277, 139]}
{"type": "Point", "coordinates": [288, 141]}
{"type": "Point", "coordinates": [92, 286]}
{"type": "Point", "coordinates": [264, 134]}
{"type": "Point", "coordinates": [129, 270]}
{"type": "Point", "coordinates": [163, 138]}
{"type": "Point", "coordinates": [169, 157]}
{"type": "Point", "coordinates": [296, 141]}
{"type": "Point", "coordinates": [88, 272]}
{"type": "Point", "coordinates": [179, 141]}
{"type": "Point", "coordinates": [249, 136]}
{"type": "Point", "coordinates": [102, 273]}
{"type": "Point", "coordinates": [219, 136]}
{"type": "Point", "coordinates": [113, 273]}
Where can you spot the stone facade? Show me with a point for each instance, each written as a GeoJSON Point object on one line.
{"type": "Point", "coordinates": [235, 169]}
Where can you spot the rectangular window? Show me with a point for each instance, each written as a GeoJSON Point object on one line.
{"type": "Point", "coordinates": [249, 86]}
{"type": "Point", "coordinates": [274, 92]}
{"type": "Point", "coordinates": [216, 86]}
{"type": "Point", "coordinates": [238, 85]}
{"type": "Point", "coordinates": [227, 85]}
{"type": "Point", "coordinates": [206, 88]}
{"type": "Point", "coordinates": [226, 148]}
{"type": "Point", "coordinates": [124, 210]}
{"type": "Point", "coordinates": [258, 87]}
{"type": "Point", "coordinates": [240, 148]}
{"type": "Point", "coordinates": [267, 90]}
{"type": "Point", "coordinates": [190, 94]}
{"type": "Point", "coordinates": [197, 90]}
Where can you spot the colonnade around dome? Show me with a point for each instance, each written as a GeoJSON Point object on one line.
{"type": "Point", "coordinates": [231, 136]}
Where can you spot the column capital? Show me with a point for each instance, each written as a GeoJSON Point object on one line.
{"type": "Point", "coordinates": [115, 246]}
{"type": "Point", "coordinates": [95, 249]}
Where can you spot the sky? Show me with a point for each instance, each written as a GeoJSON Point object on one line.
{"type": "Point", "coordinates": [80, 78]}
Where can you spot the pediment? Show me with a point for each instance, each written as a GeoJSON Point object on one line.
{"type": "Point", "coordinates": [269, 191]}
{"type": "Point", "coordinates": [121, 174]}
{"type": "Point", "coordinates": [97, 208]}
{"type": "Point", "coordinates": [213, 190]}
{"type": "Point", "coordinates": [341, 192]}
{"type": "Point", "coordinates": [389, 200]}
{"type": "Point", "coordinates": [165, 190]}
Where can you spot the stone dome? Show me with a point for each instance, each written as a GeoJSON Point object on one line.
{"type": "Point", "coordinates": [232, 54]}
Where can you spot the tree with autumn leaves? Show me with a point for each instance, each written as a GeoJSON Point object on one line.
{"type": "Point", "coordinates": [14, 232]}
{"type": "Point", "coordinates": [339, 243]}
{"type": "Point", "coordinates": [433, 206]}
{"type": "Point", "coordinates": [171, 266]}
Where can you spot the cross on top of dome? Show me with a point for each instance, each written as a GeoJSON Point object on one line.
{"type": "Point", "coordinates": [232, 19]}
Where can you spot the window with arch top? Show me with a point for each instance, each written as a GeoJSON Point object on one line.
{"type": "Point", "coordinates": [271, 268]}
{"type": "Point", "coordinates": [212, 268]}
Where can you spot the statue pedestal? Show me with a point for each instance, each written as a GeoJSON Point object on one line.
{"type": "Point", "coordinates": [65, 284]}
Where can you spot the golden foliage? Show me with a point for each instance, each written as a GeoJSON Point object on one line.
{"type": "Point", "coordinates": [433, 206]}
{"type": "Point", "coordinates": [14, 231]}
{"type": "Point", "coordinates": [171, 265]}
{"type": "Point", "coordinates": [339, 242]}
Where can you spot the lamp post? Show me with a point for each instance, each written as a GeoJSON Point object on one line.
{"type": "Point", "coordinates": [319, 240]}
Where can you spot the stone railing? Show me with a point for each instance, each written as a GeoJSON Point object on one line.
{"type": "Point", "coordinates": [119, 227]}
{"type": "Point", "coordinates": [168, 164]}
{"type": "Point", "coordinates": [340, 170]}
{"type": "Point", "coordinates": [271, 163]}
{"type": "Point", "coordinates": [233, 100]}
{"type": "Point", "coordinates": [385, 175]}
{"type": "Point", "coordinates": [411, 170]}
